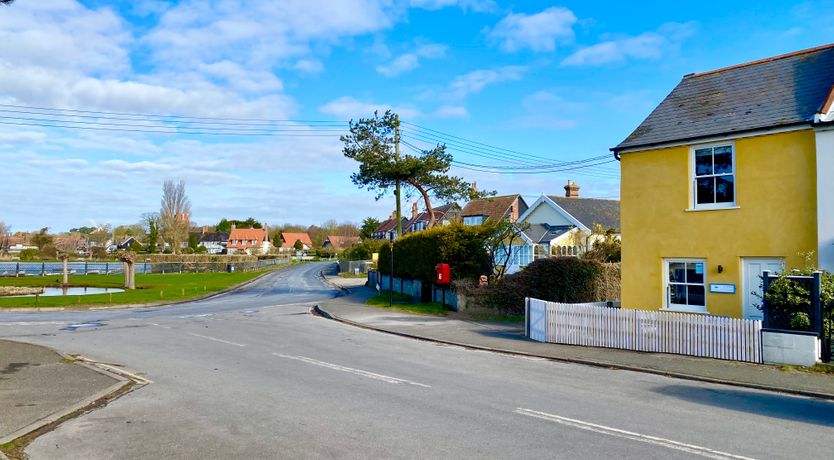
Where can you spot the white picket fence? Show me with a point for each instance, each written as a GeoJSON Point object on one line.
{"type": "Point", "coordinates": [591, 324]}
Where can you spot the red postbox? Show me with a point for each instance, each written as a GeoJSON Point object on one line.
{"type": "Point", "coordinates": [444, 274]}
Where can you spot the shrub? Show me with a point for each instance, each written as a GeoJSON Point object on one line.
{"type": "Point", "coordinates": [362, 250]}
{"type": "Point", "coordinates": [557, 279]}
{"type": "Point", "coordinates": [417, 254]}
{"type": "Point", "coordinates": [789, 301]}
{"type": "Point", "coordinates": [28, 255]}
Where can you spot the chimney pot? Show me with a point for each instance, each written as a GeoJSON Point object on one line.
{"type": "Point", "coordinates": [572, 189]}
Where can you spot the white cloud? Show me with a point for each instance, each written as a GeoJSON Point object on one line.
{"type": "Point", "coordinates": [410, 61]}
{"type": "Point", "coordinates": [474, 5]}
{"type": "Point", "coordinates": [648, 45]}
{"type": "Point", "coordinates": [21, 137]}
{"type": "Point", "coordinates": [309, 66]}
{"type": "Point", "coordinates": [477, 80]}
{"type": "Point", "coordinates": [349, 107]}
{"type": "Point", "coordinates": [261, 33]}
{"type": "Point", "coordinates": [451, 111]}
{"type": "Point", "coordinates": [239, 78]}
{"type": "Point", "coordinates": [537, 32]}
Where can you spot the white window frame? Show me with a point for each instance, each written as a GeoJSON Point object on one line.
{"type": "Point", "coordinates": [693, 188]}
{"type": "Point", "coordinates": [667, 305]}
{"type": "Point", "coordinates": [481, 218]}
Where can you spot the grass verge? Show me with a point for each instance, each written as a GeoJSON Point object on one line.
{"type": "Point", "coordinates": [815, 369]}
{"type": "Point", "coordinates": [405, 303]}
{"type": "Point", "coordinates": [149, 288]}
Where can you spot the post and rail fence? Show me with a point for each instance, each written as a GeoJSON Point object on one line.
{"type": "Point", "coordinates": [595, 325]}
{"type": "Point", "coordinates": [111, 268]}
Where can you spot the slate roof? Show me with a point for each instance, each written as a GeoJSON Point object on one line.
{"type": "Point", "coordinates": [440, 213]}
{"type": "Point", "coordinates": [591, 211]}
{"type": "Point", "coordinates": [213, 237]}
{"type": "Point", "coordinates": [776, 92]}
{"type": "Point", "coordinates": [494, 208]}
{"type": "Point", "coordinates": [544, 233]}
{"type": "Point", "coordinates": [390, 224]}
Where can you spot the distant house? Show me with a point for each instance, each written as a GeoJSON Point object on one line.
{"type": "Point", "coordinates": [214, 242]}
{"type": "Point", "coordinates": [495, 208]}
{"type": "Point", "coordinates": [339, 243]}
{"type": "Point", "coordinates": [387, 229]}
{"type": "Point", "coordinates": [443, 215]}
{"type": "Point", "coordinates": [560, 226]}
{"type": "Point", "coordinates": [288, 240]}
{"type": "Point", "coordinates": [252, 241]}
{"type": "Point", "coordinates": [15, 244]}
{"type": "Point", "coordinates": [126, 244]}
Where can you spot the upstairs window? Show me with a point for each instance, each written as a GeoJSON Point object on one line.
{"type": "Point", "coordinates": [714, 178]}
{"type": "Point", "coordinates": [473, 220]}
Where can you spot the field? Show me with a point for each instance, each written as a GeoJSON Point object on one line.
{"type": "Point", "coordinates": [154, 288]}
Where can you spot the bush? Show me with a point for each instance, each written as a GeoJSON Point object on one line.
{"type": "Point", "coordinates": [417, 254]}
{"type": "Point", "coordinates": [557, 279]}
{"type": "Point", "coordinates": [28, 255]}
{"type": "Point", "coordinates": [789, 301]}
{"type": "Point", "coordinates": [362, 250]}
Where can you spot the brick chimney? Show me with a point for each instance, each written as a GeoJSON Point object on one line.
{"type": "Point", "coordinates": [414, 211]}
{"type": "Point", "coordinates": [205, 229]}
{"type": "Point", "coordinates": [514, 212]}
{"type": "Point", "coordinates": [572, 189]}
{"type": "Point", "coordinates": [234, 227]}
{"type": "Point", "coordinates": [393, 215]}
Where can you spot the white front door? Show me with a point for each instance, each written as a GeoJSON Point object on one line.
{"type": "Point", "coordinates": [752, 282]}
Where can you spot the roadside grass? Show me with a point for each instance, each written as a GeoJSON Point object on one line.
{"type": "Point", "coordinates": [150, 288]}
{"type": "Point", "coordinates": [815, 369]}
{"type": "Point", "coordinates": [352, 275]}
{"type": "Point", "coordinates": [405, 303]}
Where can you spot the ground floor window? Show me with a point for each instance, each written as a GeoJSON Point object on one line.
{"type": "Point", "coordinates": [686, 284]}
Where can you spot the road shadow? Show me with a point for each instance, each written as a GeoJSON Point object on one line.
{"type": "Point", "coordinates": [507, 334]}
{"type": "Point", "coordinates": [773, 405]}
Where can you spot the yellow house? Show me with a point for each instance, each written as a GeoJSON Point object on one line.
{"type": "Point", "coordinates": [732, 174]}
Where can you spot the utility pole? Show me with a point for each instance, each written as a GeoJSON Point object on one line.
{"type": "Point", "coordinates": [397, 153]}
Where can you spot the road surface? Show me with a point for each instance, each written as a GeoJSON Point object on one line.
{"type": "Point", "coordinates": [251, 374]}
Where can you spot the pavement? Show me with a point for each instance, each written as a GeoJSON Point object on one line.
{"type": "Point", "coordinates": [252, 374]}
{"type": "Point", "coordinates": [39, 385]}
{"type": "Point", "coordinates": [509, 338]}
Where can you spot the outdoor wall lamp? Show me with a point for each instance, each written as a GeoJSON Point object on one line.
{"type": "Point", "coordinates": [720, 269]}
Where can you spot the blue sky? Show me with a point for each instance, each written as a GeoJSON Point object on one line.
{"type": "Point", "coordinates": [556, 81]}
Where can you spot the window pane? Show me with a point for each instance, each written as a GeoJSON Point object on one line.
{"type": "Point", "coordinates": [695, 273]}
{"type": "Point", "coordinates": [677, 272]}
{"type": "Point", "coordinates": [723, 160]}
{"type": "Point", "coordinates": [695, 294]}
{"type": "Point", "coordinates": [705, 190]}
{"type": "Point", "coordinates": [677, 294]}
{"type": "Point", "coordinates": [703, 162]}
{"type": "Point", "coordinates": [724, 189]}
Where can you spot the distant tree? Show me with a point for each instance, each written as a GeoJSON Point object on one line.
{"type": "Point", "coordinates": [150, 221]}
{"type": "Point", "coordinates": [6, 2]}
{"type": "Point", "coordinates": [174, 215]}
{"type": "Point", "coordinates": [102, 235]}
{"type": "Point", "coordinates": [41, 238]}
{"type": "Point", "coordinates": [83, 230]}
{"type": "Point", "coordinates": [368, 226]}
{"type": "Point", "coordinates": [223, 226]}
{"type": "Point", "coordinates": [99, 253]}
{"type": "Point", "coordinates": [298, 245]}
{"type": "Point", "coordinates": [5, 233]}
{"type": "Point", "coordinates": [193, 242]}
{"type": "Point", "coordinates": [28, 255]}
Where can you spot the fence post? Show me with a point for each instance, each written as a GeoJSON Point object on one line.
{"type": "Point", "coordinates": [17, 270]}
{"type": "Point", "coordinates": [765, 306]}
{"type": "Point", "coordinates": [107, 268]}
{"type": "Point", "coordinates": [816, 302]}
{"type": "Point", "coordinates": [85, 267]}
{"type": "Point", "coordinates": [43, 268]}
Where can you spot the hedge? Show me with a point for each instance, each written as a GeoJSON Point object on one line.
{"type": "Point", "coordinates": [557, 279]}
{"type": "Point", "coordinates": [417, 254]}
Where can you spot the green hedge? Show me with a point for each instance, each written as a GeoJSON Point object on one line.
{"type": "Point", "coordinates": [556, 279]}
{"type": "Point", "coordinates": [417, 254]}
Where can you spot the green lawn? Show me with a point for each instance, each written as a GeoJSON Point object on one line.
{"type": "Point", "coordinates": [405, 303]}
{"type": "Point", "coordinates": [149, 288]}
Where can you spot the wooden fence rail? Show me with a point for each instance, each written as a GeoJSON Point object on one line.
{"type": "Point", "coordinates": [591, 324]}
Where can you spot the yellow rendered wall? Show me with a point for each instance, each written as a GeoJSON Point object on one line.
{"type": "Point", "coordinates": [776, 195]}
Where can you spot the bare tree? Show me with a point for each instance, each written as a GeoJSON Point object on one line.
{"type": "Point", "coordinates": [5, 231]}
{"type": "Point", "coordinates": [128, 258]}
{"type": "Point", "coordinates": [174, 215]}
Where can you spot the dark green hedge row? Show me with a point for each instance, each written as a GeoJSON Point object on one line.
{"type": "Point", "coordinates": [557, 279]}
{"type": "Point", "coordinates": [417, 254]}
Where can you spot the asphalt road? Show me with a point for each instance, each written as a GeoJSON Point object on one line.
{"type": "Point", "coordinates": [252, 374]}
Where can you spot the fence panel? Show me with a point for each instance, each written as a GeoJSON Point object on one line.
{"type": "Point", "coordinates": [591, 324]}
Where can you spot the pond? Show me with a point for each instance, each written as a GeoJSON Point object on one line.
{"type": "Point", "coordinates": [59, 291]}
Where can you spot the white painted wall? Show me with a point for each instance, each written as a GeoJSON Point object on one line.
{"type": "Point", "coordinates": [825, 197]}
{"type": "Point", "coordinates": [787, 348]}
{"type": "Point", "coordinates": [544, 214]}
